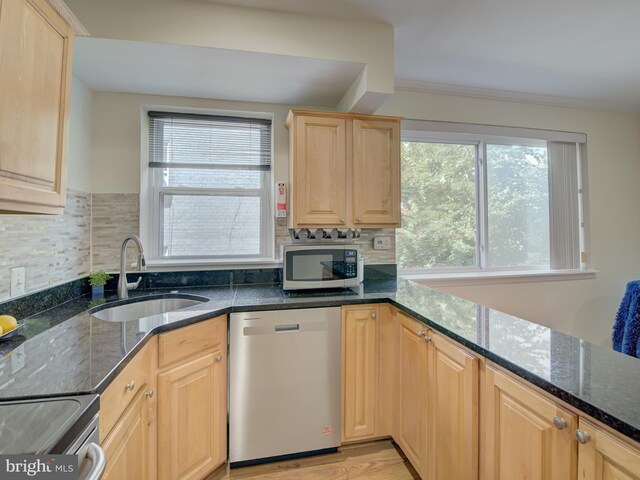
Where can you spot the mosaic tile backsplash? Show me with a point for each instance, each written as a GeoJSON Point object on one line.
{"type": "Point", "coordinates": [53, 248]}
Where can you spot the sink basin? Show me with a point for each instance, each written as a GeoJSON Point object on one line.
{"type": "Point", "coordinates": [146, 308]}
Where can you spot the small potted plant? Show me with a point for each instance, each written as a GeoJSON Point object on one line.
{"type": "Point", "coordinates": [97, 280]}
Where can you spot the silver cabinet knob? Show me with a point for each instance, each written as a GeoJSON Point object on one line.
{"type": "Point", "coordinates": [560, 423]}
{"type": "Point", "coordinates": [130, 386]}
{"type": "Point", "coordinates": [421, 334]}
{"type": "Point", "coordinates": [373, 315]}
{"type": "Point", "coordinates": [358, 219]}
{"type": "Point", "coordinates": [342, 220]}
{"type": "Point", "coordinates": [582, 436]}
{"type": "Point", "coordinates": [148, 393]}
{"type": "Point", "coordinates": [426, 338]}
{"type": "Point", "coordinates": [218, 358]}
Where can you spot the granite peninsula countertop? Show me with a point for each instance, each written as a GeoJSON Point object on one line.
{"type": "Point", "coordinates": [64, 351]}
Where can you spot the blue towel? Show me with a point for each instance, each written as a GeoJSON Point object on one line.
{"type": "Point", "coordinates": [626, 330]}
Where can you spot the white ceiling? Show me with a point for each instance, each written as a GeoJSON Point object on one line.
{"type": "Point", "coordinates": [162, 69]}
{"type": "Point", "coordinates": [585, 49]}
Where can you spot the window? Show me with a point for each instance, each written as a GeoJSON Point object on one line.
{"type": "Point", "coordinates": [475, 202]}
{"type": "Point", "coordinates": [209, 180]}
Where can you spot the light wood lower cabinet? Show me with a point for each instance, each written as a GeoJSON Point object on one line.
{"type": "Point", "coordinates": [452, 405]}
{"type": "Point", "coordinates": [127, 446]}
{"type": "Point", "coordinates": [359, 373]}
{"type": "Point", "coordinates": [527, 436]}
{"type": "Point", "coordinates": [192, 406]}
{"type": "Point", "coordinates": [606, 457]}
{"type": "Point", "coordinates": [368, 373]}
{"type": "Point", "coordinates": [411, 427]}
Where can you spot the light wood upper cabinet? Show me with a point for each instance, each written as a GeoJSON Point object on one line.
{"type": "Point", "coordinates": [319, 173]}
{"type": "Point", "coordinates": [452, 404]}
{"type": "Point", "coordinates": [522, 440]}
{"type": "Point", "coordinates": [376, 172]}
{"type": "Point", "coordinates": [35, 73]}
{"type": "Point", "coordinates": [192, 401]}
{"type": "Point", "coordinates": [606, 457]}
{"type": "Point", "coordinates": [411, 427]}
{"type": "Point", "coordinates": [344, 170]}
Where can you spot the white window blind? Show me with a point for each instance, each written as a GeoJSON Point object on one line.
{"type": "Point", "coordinates": [564, 222]}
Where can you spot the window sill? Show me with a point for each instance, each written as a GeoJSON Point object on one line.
{"type": "Point", "coordinates": [203, 264]}
{"type": "Point", "coordinates": [490, 278]}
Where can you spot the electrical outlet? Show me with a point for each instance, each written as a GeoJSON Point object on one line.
{"type": "Point", "coordinates": [381, 243]}
{"type": "Point", "coordinates": [18, 275]}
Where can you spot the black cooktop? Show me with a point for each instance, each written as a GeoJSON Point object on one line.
{"type": "Point", "coordinates": [46, 425]}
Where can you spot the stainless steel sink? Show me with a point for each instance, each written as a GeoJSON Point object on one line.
{"type": "Point", "coordinates": [146, 308]}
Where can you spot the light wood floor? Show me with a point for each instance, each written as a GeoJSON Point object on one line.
{"type": "Point", "coordinates": [380, 460]}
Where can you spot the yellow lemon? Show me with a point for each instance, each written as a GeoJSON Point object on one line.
{"type": "Point", "coordinates": [1, 331]}
{"type": "Point", "coordinates": [7, 323]}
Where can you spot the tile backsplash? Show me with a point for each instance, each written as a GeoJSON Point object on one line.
{"type": "Point", "coordinates": [53, 248]}
{"type": "Point", "coordinates": [114, 216]}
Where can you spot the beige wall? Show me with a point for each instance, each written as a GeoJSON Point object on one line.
{"type": "Point", "coordinates": [115, 162]}
{"type": "Point", "coordinates": [584, 308]}
{"type": "Point", "coordinates": [80, 120]}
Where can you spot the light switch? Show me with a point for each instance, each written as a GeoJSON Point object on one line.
{"type": "Point", "coordinates": [18, 275]}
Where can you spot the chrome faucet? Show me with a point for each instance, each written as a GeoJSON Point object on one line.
{"type": "Point", "coordinates": [123, 286]}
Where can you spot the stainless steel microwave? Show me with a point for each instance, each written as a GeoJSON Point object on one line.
{"type": "Point", "coordinates": [320, 266]}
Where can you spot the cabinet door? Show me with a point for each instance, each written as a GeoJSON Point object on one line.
{"type": "Point", "coordinates": [359, 373]}
{"type": "Point", "coordinates": [376, 173]}
{"type": "Point", "coordinates": [319, 171]}
{"type": "Point", "coordinates": [604, 457]}
{"type": "Point", "coordinates": [192, 414]}
{"type": "Point", "coordinates": [453, 411]}
{"type": "Point", "coordinates": [35, 74]}
{"type": "Point", "coordinates": [127, 446]}
{"type": "Point", "coordinates": [521, 436]}
{"type": "Point", "coordinates": [411, 428]}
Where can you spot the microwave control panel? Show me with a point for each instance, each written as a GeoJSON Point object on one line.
{"type": "Point", "coordinates": [351, 263]}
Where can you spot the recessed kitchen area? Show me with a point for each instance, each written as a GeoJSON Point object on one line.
{"type": "Point", "coordinates": [319, 240]}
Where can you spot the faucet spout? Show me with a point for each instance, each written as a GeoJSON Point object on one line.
{"type": "Point", "coordinates": [123, 286]}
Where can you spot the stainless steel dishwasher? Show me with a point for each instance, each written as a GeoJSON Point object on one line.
{"type": "Point", "coordinates": [284, 384]}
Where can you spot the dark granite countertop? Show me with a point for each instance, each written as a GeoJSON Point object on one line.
{"type": "Point", "coordinates": [64, 351]}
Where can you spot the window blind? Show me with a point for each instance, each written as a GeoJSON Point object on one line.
{"type": "Point", "coordinates": [564, 225]}
{"type": "Point", "coordinates": [185, 140]}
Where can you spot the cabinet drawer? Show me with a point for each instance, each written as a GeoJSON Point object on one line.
{"type": "Point", "coordinates": [118, 395]}
{"type": "Point", "coordinates": [188, 341]}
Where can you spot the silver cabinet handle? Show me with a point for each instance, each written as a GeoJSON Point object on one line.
{"type": "Point", "coordinates": [148, 393]}
{"type": "Point", "coordinates": [373, 315]}
{"type": "Point", "coordinates": [218, 358]}
{"type": "Point", "coordinates": [560, 423]}
{"type": "Point", "coordinates": [582, 436]}
{"type": "Point", "coordinates": [98, 461]}
{"type": "Point", "coordinates": [130, 386]}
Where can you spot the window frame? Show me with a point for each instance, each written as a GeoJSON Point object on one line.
{"type": "Point", "coordinates": [151, 193]}
{"type": "Point", "coordinates": [481, 140]}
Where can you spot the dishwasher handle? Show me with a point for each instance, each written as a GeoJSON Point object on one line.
{"type": "Point", "coordinates": [98, 459]}
{"type": "Point", "coordinates": [294, 327]}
